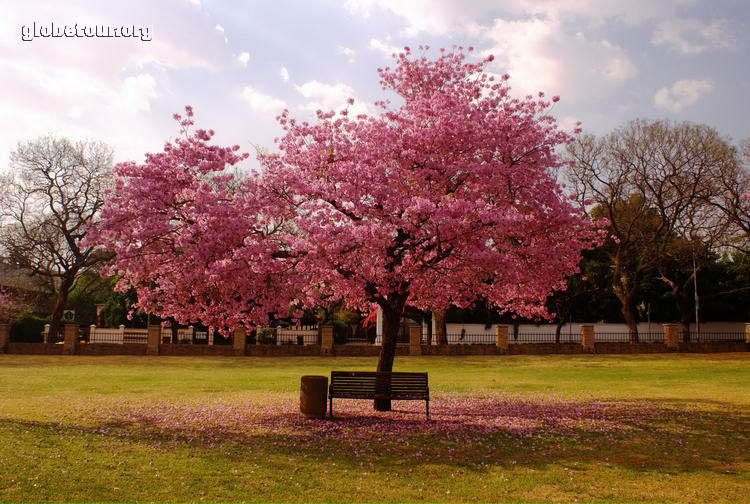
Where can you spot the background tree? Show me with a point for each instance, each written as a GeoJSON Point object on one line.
{"type": "Point", "coordinates": [654, 181]}
{"type": "Point", "coordinates": [55, 189]}
{"type": "Point", "coordinates": [588, 296]}
{"type": "Point", "coordinates": [11, 305]}
{"type": "Point", "coordinates": [734, 200]}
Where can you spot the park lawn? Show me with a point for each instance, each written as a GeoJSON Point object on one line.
{"type": "Point", "coordinates": [649, 428]}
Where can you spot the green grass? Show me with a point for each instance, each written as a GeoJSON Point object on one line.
{"type": "Point", "coordinates": [656, 428]}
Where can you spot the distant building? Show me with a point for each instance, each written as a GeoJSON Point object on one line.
{"type": "Point", "coordinates": [35, 290]}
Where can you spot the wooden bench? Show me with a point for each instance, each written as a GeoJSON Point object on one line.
{"type": "Point", "coordinates": [375, 385]}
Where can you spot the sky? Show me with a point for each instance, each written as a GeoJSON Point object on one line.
{"type": "Point", "coordinates": [239, 63]}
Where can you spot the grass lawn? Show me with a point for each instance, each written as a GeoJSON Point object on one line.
{"type": "Point", "coordinates": [651, 428]}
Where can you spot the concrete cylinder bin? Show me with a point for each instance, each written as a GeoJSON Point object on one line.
{"type": "Point", "coordinates": [313, 395]}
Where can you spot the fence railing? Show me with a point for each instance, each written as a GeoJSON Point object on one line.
{"type": "Point", "coordinates": [470, 338]}
{"type": "Point", "coordinates": [308, 335]}
{"type": "Point", "coordinates": [714, 336]}
{"type": "Point", "coordinates": [543, 337]}
{"type": "Point", "coordinates": [624, 337]}
{"type": "Point", "coordinates": [122, 335]}
{"type": "Point", "coordinates": [296, 336]}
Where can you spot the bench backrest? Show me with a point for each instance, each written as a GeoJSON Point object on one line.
{"type": "Point", "coordinates": [372, 382]}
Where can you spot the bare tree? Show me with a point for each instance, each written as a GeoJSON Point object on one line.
{"type": "Point", "coordinates": [655, 181]}
{"type": "Point", "coordinates": [734, 200]}
{"type": "Point", "coordinates": [54, 190]}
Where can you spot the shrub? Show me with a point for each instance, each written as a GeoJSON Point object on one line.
{"type": "Point", "coordinates": [340, 332]}
{"type": "Point", "coordinates": [267, 336]}
{"type": "Point", "coordinates": [28, 328]}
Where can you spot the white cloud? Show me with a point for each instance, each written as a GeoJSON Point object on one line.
{"type": "Point", "coordinates": [102, 89]}
{"type": "Point", "coordinates": [348, 52]}
{"type": "Point", "coordinates": [75, 112]}
{"type": "Point", "coordinates": [683, 93]}
{"type": "Point", "coordinates": [540, 56]}
{"type": "Point", "coordinates": [421, 15]}
{"type": "Point", "coordinates": [261, 102]}
{"type": "Point", "coordinates": [244, 58]}
{"type": "Point", "coordinates": [692, 36]}
{"type": "Point", "coordinates": [137, 93]}
{"type": "Point", "coordinates": [439, 17]}
{"type": "Point", "coordinates": [284, 74]}
{"type": "Point", "coordinates": [330, 97]}
{"type": "Point", "coordinates": [220, 29]}
{"type": "Point", "coordinates": [387, 49]}
{"type": "Point", "coordinates": [631, 11]}
{"type": "Point", "coordinates": [531, 41]}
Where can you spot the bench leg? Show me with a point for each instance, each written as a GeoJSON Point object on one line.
{"type": "Point", "coordinates": [330, 407]}
{"type": "Point", "coordinates": [427, 406]}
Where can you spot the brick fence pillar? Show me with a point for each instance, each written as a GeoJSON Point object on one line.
{"type": "Point", "coordinates": [153, 340]}
{"type": "Point", "coordinates": [587, 337]}
{"type": "Point", "coordinates": [4, 337]}
{"type": "Point", "coordinates": [747, 333]}
{"type": "Point", "coordinates": [415, 340]}
{"type": "Point", "coordinates": [70, 342]}
{"type": "Point", "coordinates": [326, 340]}
{"type": "Point", "coordinates": [239, 341]}
{"type": "Point", "coordinates": [671, 335]}
{"type": "Point", "coordinates": [501, 338]}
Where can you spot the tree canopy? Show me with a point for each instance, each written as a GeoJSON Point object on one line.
{"type": "Point", "coordinates": [448, 196]}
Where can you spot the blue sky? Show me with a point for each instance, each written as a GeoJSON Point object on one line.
{"type": "Point", "coordinates": [239, 63]}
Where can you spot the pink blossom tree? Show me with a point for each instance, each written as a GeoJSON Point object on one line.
{"type": "Point", "coordinates": [196, 243]}
{"type": "Point", "coordinates": [445, 198]}
{"type": "Point", "coordinates": [449, 196]}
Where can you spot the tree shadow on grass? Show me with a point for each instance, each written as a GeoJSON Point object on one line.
{"type": "Point", "coordinates": [472, 432]}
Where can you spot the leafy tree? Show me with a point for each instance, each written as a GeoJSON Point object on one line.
{"type": "Point", "coordinates": [90, 289]}
{"type": "Point", "coordinates": [655, 182]}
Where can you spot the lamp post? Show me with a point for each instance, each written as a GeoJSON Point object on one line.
{"type": "Point", "coordinates": [697, 300]}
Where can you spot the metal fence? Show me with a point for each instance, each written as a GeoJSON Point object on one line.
{"type": "Point", "coordinates": [624, 337]}
{"type": "Point", "coordinates": [464, 338]}
{"type": "Point", "coordinates": [543, 337]}
{"type": "Point", "coordinates": [125, 335]}
{"type": "Point", "coordinates": [296, 336]}
{"type": "Point", "coordinates": [712, 336]}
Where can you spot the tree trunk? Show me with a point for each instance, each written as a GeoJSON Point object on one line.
{"type": "Point", "coordinates": [440, 328]}
{"type": "Point", "coordinates": [627, 313]}
{"type": "Point", "coordinates": [687, 307]}
{"type": "Point", "coordinates": [173, 329]}
{"type": "Point", "coordinates": [55, 325]}
{"type": "Point", "coordinates": [558, 328]}
{"type": "Point", "coordinates": [626, 308]}
{"type": "Point", "coordinates": [686, 315]}
{"type": "Point", "coordinates": [391, 321]}
{"type": "Point", "coordinates": [624, 289]}
{"type": "Point", "coordinates": [61, 299]}
{"type": "Point", "coordinates": [682, 297]}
